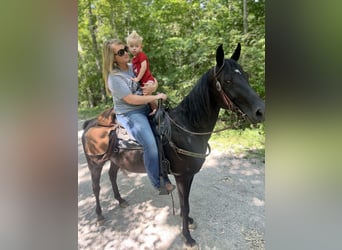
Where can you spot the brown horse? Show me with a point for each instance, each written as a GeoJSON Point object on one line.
{"type": "Point", "coordinates": [192, 121]}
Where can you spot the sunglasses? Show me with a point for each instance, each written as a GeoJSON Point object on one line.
{"type": "Point", "coordinates": [121, 52]}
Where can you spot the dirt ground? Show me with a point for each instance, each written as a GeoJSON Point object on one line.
{"type": "Point", "coordinates": [227, 202]}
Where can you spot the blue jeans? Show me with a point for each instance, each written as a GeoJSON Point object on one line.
{"type": "Point", "coordinates": [137, 124]}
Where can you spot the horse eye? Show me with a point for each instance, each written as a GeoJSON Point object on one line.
{"type": "Point", "coordinates": [229, 82]}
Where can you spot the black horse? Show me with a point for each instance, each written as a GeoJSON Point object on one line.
{"type": "Point", "coordinates": [224, 86]}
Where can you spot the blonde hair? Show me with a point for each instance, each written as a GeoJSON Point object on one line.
{"type": "Point", "coordinates": [108, 64]}
{"type": "Point", "coordinates": [134, 36]}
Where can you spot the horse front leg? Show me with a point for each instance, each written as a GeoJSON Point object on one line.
{"type": "Point", "coordinates": [183, 187]}
{"type": "Point", "coordinates": [113, 172]}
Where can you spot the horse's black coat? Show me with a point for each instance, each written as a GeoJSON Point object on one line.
{"type": "Point", "coordinates": [198, 112]}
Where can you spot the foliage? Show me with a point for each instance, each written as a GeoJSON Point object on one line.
{"type": "Point", "coordinates": [180, 38]}
{"type": "Point", "coordinates": [249, 142]}
{"type": "Point", "coordinates": [88, 113]}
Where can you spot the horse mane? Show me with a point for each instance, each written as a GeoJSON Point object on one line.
{"type": "Point", "coordinates": [197, 103]}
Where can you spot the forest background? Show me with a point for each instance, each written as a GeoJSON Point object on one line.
{"type": "Point", "coordinates": [180, 39]}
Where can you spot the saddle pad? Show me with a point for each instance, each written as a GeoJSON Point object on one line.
{"type": "Point", "coordinates": [97, 140]}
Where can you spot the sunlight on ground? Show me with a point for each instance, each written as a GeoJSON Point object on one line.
{"type": "Point", "coordinates": [83, 173]}
{"type": "Point", "coordinates": [257, 202]}
{"type": "Point", "coordinates": [80, 132]}
{"type": "Point", "coordinates": [140, 226]}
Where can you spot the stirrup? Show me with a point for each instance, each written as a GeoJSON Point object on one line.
{"type": "Point", "coordinates": [163, 191]}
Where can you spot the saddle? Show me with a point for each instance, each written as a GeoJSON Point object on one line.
{"type": "Point", "coordinates": [107, 136]}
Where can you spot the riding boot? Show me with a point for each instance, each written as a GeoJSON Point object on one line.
{"type": "Point", "coordinates": [162, 189]}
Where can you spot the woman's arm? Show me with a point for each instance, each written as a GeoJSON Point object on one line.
{"type": "Point", "coordinates": [143, 99]}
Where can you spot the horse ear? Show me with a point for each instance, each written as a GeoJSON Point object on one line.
{"type": "Point", "coordinates": [237, 51]}
{"type": "Point", "coordinates": [219, 55]}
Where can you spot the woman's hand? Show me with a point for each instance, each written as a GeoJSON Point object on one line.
{"type": "Point", "coordinates": [135, 79]}
{"type": "Point", "coordinates": [148, 89]}
{"type": "Point", "coordinates": [161, 96]}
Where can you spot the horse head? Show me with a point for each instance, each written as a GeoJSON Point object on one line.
{"type": "Point", "coordinates": [235, 92]}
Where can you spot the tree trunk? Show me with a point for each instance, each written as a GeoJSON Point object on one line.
{"type": "Point", "coordinates": [245, 14]}
{"type": "Point", "coordinates": [90, 98]}
{"type": "Point", "coordinates": [92, 29]}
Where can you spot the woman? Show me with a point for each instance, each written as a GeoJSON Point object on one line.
{"type": "Point", "coordinates": [132, 109]}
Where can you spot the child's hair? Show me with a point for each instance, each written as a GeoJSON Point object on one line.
{"type": "Point", "coordinates": [134, 36]}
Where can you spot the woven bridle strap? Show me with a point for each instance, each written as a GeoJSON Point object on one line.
{"type": "Point", "coordinates": [225, 98]}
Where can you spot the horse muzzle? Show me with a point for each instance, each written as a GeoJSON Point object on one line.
{"type": "Point", "coordinates": [258, 114]}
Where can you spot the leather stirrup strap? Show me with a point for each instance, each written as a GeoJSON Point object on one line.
{"type": "Point", "coordinates": [111, 145]}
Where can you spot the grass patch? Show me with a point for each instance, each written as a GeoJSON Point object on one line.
{"type": "Point", "coordinates": [250, 142]}
{"type": "Point", "coordinates": [87, 113]}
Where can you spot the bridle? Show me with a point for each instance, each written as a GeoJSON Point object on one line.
{"type": "Point", "coordinates": [226, 100]}
{"type": "Point", "coordinates": [228, 104]}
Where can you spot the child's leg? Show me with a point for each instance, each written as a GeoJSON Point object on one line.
{"type": "Point", "coordinates": [154, 104]}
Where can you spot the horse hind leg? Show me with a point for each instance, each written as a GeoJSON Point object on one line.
{"type": "Point", "coordinates": [95, 171]}
{"type": "Point", "coordinates": [113, 172]}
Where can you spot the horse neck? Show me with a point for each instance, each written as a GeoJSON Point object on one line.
{"type": "Point", "coordinates": [199, 110]}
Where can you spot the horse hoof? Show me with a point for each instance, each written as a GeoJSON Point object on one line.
{"type": "Point", "coordinates": [124, 204]}
{"type": "Point", "coordinates": [192, 226]}
{"type": "Point", "coordinates": [193, 246]}
{"type": "Point", "coordinates": [100, 220]}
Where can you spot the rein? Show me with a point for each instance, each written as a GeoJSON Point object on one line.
{"type": "Point", "coordinates": [197, 133]}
